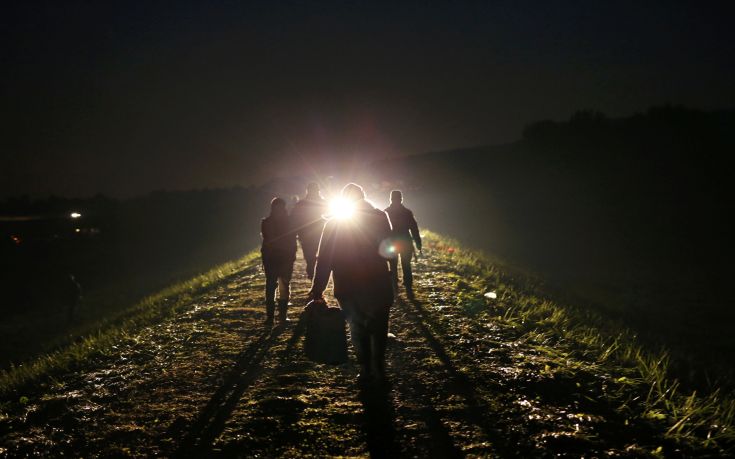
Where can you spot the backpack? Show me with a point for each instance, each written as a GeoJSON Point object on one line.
{"type": "Point", "coordinates": [326, 338]}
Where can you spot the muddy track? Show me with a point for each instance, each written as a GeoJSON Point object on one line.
{"type": "Point", "coordinates": [215, 381]}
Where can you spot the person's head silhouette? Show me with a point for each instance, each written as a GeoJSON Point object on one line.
{"type": "Point", "coordinates": [278, 207]}
{"type": "Point", "coordinates": [396, 197]}
{"type": "Point", "coordinates": [353, 192]}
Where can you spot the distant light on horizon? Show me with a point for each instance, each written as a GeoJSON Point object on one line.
{"type": "Point", "coordinates": [75, 215]}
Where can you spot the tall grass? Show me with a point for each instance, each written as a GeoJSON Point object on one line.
{"type": "Point", "coordinates": [149, 310]}
{"type": "Point", "coordinates": [706, 417]}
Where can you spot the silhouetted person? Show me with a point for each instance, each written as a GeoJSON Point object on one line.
{"type": "Point", "coordinates": [308, 220]}
{"type": "Point", "coordinates": [71, 295]}
{"type": "Point", "coordinates": [279, 253]}
{"type": "Point", "coordinates": [350, 250]}
{"type": "Point", "coordinates": [405, 234]}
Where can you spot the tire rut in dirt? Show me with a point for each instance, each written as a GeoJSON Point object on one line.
{"type": "Point", "coordinates": [439, 407]}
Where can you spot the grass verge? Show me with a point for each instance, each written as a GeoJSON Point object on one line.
{"type": "Point", "coordinates": [648, 390]}
{"type": "Point", "coordinates": [149, 310]}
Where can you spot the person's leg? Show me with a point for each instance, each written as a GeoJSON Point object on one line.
{"type": "Point", "coordinates": [394, 274]}
{"type": "Point", "coordinates": [310, 265]}
{"type": "Point", "coordinates": [361, 341]}
{"type": "Point", "coordinates": [359, 335]}
{"type": "Point", "coordinates": [309, 249]}
{"type": "Point", "coordinates": [379, 340]}
{"type": "Point", "coordinates": [271, 283]}
{"type": "Point", "coordinates": [283, 295]}
{"type": "Point", "coordinates": [407, 274]}
{"type": "Point", "coordinates": [284, 288]}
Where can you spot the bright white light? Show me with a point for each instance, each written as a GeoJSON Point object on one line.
{"type": "Point", "coordinates": [75, 215]}
{"type": "Point", "coordinates": [341, 208]}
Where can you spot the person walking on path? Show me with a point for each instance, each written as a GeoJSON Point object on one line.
{"type": "Point", "coordinates": [405, 234]}
{"type": "Point", "coordinates": [308, 220]}
{"type": "Point", "coordinates": [279, 253]}
{"type": "Point", "coordinates": [353, 251]}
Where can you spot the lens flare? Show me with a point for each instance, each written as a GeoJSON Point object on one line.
{"type": "Point", "coordinates": [341, 208]}
{"type": "Point", "coordinates": [387, 248]}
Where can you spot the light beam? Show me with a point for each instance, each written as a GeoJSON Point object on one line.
{"type": "Point", "coordinates": [341, 208]}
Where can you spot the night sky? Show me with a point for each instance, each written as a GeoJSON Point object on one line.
{"type": "Point", "coordinates": [134, 97]}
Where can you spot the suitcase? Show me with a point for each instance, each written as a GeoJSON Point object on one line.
{"type": "Point", "coordinates": [326, 338]}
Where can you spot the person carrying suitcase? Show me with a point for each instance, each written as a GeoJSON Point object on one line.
{"type": "Point", "coordinates": [350, 251]}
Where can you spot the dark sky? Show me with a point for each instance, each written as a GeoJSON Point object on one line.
{"type": "Point", "coordinates": [131, 97]}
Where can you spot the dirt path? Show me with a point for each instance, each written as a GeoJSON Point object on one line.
{"type": "Point", "coordinates": [215, 381]}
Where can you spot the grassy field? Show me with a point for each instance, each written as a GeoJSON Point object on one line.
{"type": "Point", "coordinates": [103, 333]}
{"type": "Point", "coordinates": [483, 362]}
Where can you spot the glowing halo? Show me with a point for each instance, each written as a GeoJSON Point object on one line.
{"type": "Point", "coordinates": [387, 248]}
{"type": "Point", "coordinates": [341, 208]}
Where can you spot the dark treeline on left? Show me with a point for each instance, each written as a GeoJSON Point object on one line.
{"type": "Point", "coordinates": [117, 251]}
